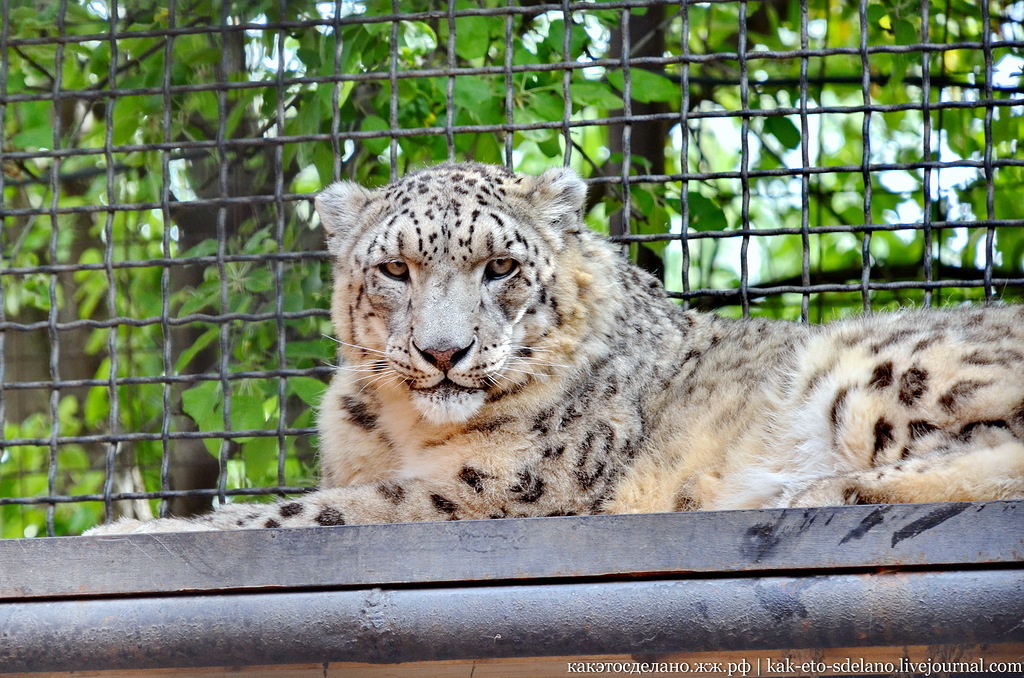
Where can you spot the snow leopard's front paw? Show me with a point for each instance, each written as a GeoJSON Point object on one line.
{"type": "Point", "coordinates": [129, 526]}
{"type": "Point", "coordinates": [833, 491]}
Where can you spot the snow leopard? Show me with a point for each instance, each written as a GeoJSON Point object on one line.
{"type": "Point", "coordinates": [499, 359]}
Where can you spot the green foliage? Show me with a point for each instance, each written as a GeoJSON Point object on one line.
{"type": "Point", "coordinates": [267, 297]}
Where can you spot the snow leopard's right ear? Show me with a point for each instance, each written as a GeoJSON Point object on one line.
{"type": "Point", "coordinates": [558, 195]}
{"type": "Point", "coordinates": [340, 207]}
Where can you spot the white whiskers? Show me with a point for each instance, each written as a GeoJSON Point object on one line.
{"type": "Point", "coordinates": [361, 348]}
{"type": "Point", "coordinates": [531, 360]}
{"type": "Point", "coordinates": [383, 379]}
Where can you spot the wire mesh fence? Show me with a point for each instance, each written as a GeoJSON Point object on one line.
{"type": "Point", "coordinates": [164, 333]}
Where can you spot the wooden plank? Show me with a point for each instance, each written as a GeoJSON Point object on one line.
{"type": "Point", "coordinates": [780, 663]}
{"type": "Point", "coordinates": [843, 537]}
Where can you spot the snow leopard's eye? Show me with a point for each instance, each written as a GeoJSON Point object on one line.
{"type": "Point", "coordinates": [499, 268]}
{"type": "Point", "coordinates": [396, 269]}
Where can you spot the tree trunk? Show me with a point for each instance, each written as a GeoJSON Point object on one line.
{"type": "Point", "coordinates": [647, 140]}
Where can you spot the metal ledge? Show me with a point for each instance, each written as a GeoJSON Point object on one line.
{"type": "Point", "coordinates": [596, 585]}
{"type": "Point", "coordinates": [645, 617]}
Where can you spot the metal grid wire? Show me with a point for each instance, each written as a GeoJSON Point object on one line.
{"type": "Point", "coordinates": [162, 305]}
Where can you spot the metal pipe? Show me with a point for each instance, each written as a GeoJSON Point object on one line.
{"type": "Point", "coordinates": [419, 624]}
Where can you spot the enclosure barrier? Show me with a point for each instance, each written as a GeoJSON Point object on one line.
{"type": "Point", "coordinates": [164, 280]}
{"type": "Point", "coordinates": [640, 588]}
{"type": "Point", "coordinates": [165, 299]}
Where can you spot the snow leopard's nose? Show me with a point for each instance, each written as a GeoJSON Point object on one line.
{"type": "Point", "coordinates": [444, 359]}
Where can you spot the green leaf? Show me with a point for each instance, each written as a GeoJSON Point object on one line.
{"type": "Point", "coordinates": [373, 123]}
{"type": "Point", "coordinates": [784, 130]}
{"type": "Point", "coordinates": [259, 280]}
{"type": "Point", "coordinates": [199, 57]}
{"type": "Point", "coordinates": [34, 138]}
{"type": "Point", "coordinates": [550, 147]}
{"type": "Point", "coordinates": [418, 37]}
{"type": "Point", "coordinates": [643, 200]}
{"type": "Point", "coordinates": [97, 405]}
{"type": "Point", "coordinates": [472, 92]}
{"type": "Point", "coordinates": [646, 86]}
{"type": "Point", "coordinates": [247, 413]}
{"type": "Point", "coordinates": [304, 420]}
{"type": "Point", "coordinates": [206, 295]}
{"type": "Point", "coordinates": [201, 342]}
{"type": "Point", "coordinates": [904, 32]}
{"type": "Point", "coordinates": [705, 214]}
{"type": "Point", "coordinates": [308, 122]}
{"type": "Point", "coordinates": [259, 454]}
{"type": "Point", "coordinates": [206, 248]}
{"type": "Point", "coordinates": [201, 403]}
{"type": "Point", "coordinates": [311, 390]}
{"type": "Point", "coordinates": [472, 37]}
{"type": "Point", "coordinates": [875, 14]}
{"type": "Point", "coordinates": [556, 38]}
{"type": "Point", "coordinates": [597, 94]}
{"type": "Point", "coordinates": [201, 400]}
{"type": "Point", "coordinates": [542, 106]}
{"type": "Point", "coordinates": [309, 350]}
{"type": "Point", "coordinates": [323, 160]}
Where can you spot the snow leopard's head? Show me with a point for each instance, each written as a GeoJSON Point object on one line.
{"type": "Point", "coordinates": [444, 280]}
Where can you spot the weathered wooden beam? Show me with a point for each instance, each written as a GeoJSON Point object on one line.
{"type": "Point", "coordinates": [857, 576]}
{"type": "Point", "coordinates": [772, 541]}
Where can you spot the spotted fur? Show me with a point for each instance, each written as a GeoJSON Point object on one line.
{"type": "Point", "coordinates": [498, 360]}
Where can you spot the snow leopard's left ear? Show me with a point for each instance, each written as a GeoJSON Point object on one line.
{"type": "Point", "coordinates": [341, 207]}
{"type": "Point", "coordinates": [559, 195]}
